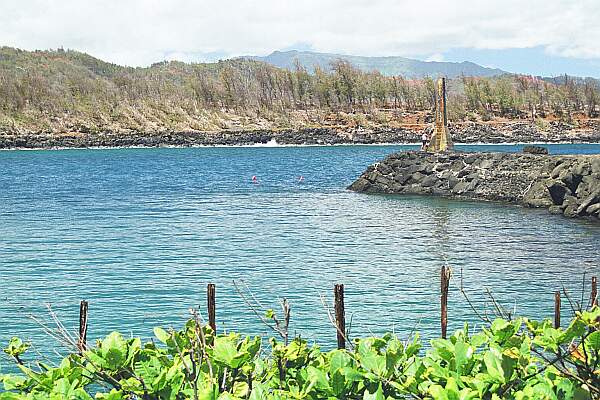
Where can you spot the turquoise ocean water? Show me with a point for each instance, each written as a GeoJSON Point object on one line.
{"type": "Point", "coordinates": [140, 232]}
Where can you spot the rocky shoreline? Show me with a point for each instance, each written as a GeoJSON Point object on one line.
{"type": "Point", "coordinates": [465, 133]}
{"type": "Point", "coordinates": [563, 184]}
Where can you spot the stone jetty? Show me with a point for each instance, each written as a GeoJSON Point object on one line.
{"type": "Point", "coordinates": [563, 184]}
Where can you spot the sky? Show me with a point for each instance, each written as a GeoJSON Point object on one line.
{"type": "Point", "coordinates": [539, 37]}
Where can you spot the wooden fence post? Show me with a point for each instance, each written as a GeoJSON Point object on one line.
{"type": "Point", "coordinates": [557, 309]}
{"type": "Point", "coordinates": [83, 325]}
{"type": "Point", "coordinates": [444, 284]}
{"type": "Point", "coordinates": [211, 300]}
{"type": "Point", "coordinates": [594, 295]}
{"type": "Point", "coordinates": [340, 318]}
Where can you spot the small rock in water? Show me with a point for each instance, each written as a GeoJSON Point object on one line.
{"type": "Point", "coordinates": [535, 150]}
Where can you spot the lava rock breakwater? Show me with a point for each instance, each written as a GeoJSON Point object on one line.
{"type": "Point", "coordinates": [564, 184]}
{"type": "Point", "coordinates": [82, 137]}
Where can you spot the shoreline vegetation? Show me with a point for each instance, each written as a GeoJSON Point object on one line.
{"type": "Point", "coordinates": [514, 358]}
{"type": "Point", "coordinates": [59, 98]}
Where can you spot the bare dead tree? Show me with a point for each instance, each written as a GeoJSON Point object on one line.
{"type": "Point", "coordinates": [267, 316]}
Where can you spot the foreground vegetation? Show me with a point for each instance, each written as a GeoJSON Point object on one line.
{"type": "Point", "coordinates": [66, 91]}
{"type": "Point", "coordinates": [518, 359]}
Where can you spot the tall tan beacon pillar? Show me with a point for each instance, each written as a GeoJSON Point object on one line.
{"type": "Point", "coordinates": [440, 140]}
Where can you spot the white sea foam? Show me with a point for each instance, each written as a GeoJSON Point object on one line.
{"type": "Point", "coordinates": [273, 143]}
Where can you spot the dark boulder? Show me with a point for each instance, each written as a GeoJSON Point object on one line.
{"type": "Point", "coordinates": [538, 196]}
{"type": "Point", "coordinates": [461, 187]}
{"type": "Point", "coordinates": [385, 169]}
{"type": "Point", "coordinates": [558, 191]}
{"type": "Point", "coordinates": [429, 181]}
{"type": "Point", "coordinates": [452, 181]}
{"type": "Point", "coordinates": [571, 180]}
{"type": "Point", "coordinates": [360, 185]}
{"type": "Point", "coordinates": [571, 205]}
{"type": "Point", "coordinates": [535, 150]}
{"type": "Point", "coordinates": [594, 209]}
{"type": "Point", "coordinates": [416, 177]}
{"type": "Point", "coordinates": [592, 199]}
{"type": "Point", "coordinates": [402, 178]}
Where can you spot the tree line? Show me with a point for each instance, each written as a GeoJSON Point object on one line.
{"type": "Point", "coordinates": [55, 82]}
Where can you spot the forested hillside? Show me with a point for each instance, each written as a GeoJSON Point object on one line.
{"type": "Point", "coordinates": [67, 91]}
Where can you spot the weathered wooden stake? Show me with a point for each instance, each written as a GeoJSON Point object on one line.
{"type": "Point", "coordinates": [83, 325]}
{"type": "Point", "coordinates": [594, 295]}
{"type": "Point", "coordinates": [210, 297]}
{"type": "Point", "coordinates": [444, 284]}
{"type": "Point", "coordinates": [340, 318]}
{"type": "Point", "coordinates": [557, 309]}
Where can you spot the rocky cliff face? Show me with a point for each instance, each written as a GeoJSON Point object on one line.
{"type": "Point", "coordinates": [568, 185]}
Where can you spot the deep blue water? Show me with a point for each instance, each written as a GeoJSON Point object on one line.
{"type": "Point", "coordinates": [140, 232]}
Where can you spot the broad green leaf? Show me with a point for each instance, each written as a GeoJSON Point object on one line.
{"type": "Point", "coordinates": [113, 395]}
{"type": "Point", "coordinates": [374, 363]}
{"type": "Point", "coordinates": [577, 328]}
{"type": "Point", "coordinates": [317, 378]}
{"type": "Point", "coordinates": [339, 359]}
{"type": "Point", "coordinates": [443, 349]}
{"type": "Point", "coordinates": [16, 347]}
{"type": "Point", "coordinates": [593, 341]}
{"type": "Point", "coordinates": [377, 395]}
{"type": "Point", "coordinates": [258, 393]}
{"type": "Point", "coordinates": [240, 389]}
{"type": "Point", "coordinates": [493, 364]}
{"type": "Point", "coordinates": [225, 349]}
{"type": "Point", "coordinates": [209, 392]}
{"type": "Point", "coordinates": [338, 383]}
{"type": "Point", "coordinates": [228, 396]}
{"type": "Point", "coordinates": [351, 374]}
{"type": "Point", "coordinates": [12, 382]}
{"type": "Point", "coordinates": [463, 353]}
{"type": "Point", "coordinates": [114, 358]}
{"type": "Point", "coordinates": [114, 351]}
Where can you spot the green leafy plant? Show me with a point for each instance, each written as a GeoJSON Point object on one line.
{"type": "Point", "coordinates": [516, 359]}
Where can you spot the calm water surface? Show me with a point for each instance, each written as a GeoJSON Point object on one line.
{"type": "Point", "coordinates": [140, 232]}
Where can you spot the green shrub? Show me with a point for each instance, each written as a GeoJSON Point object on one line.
{"type": "Point", "coordinates": [518, 359]}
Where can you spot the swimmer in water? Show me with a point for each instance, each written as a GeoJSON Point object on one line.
{"type": "Point", "coordinates": [254, 179]}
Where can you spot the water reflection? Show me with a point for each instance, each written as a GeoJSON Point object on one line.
{"type": "Point", "coordinates": [441, 246]}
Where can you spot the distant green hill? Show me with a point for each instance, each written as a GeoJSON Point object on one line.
{"type": "Point", "coordinates": [386, 65]}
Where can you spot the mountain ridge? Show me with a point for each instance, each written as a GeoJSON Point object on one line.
{"type": "Point", "coordinates": [387, 65]}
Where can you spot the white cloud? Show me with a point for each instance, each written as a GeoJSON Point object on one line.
{"type": "Point", "coordinates": [139, 32]}
{"type": "Point", "coordinates": [435, 57]}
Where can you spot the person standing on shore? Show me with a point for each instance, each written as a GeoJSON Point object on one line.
{"type": "Point", "coordinates": [424, 141]}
